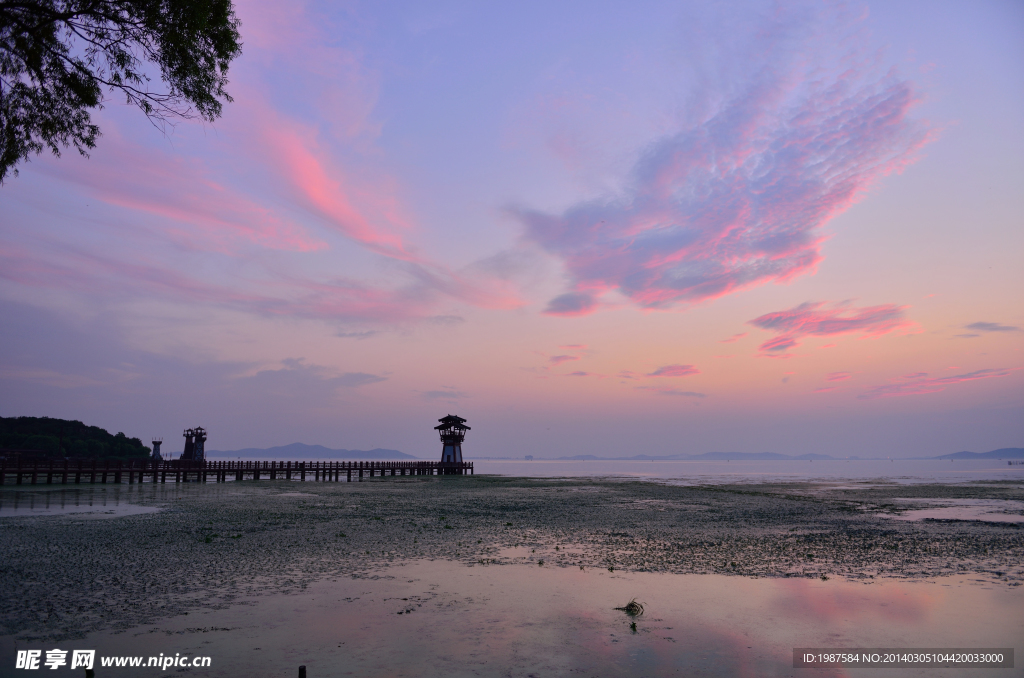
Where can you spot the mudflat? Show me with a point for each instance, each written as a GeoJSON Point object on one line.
{"type": "Point", "coordinates": [64, 576]}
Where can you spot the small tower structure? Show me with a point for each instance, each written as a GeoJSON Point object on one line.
{"type": "Point", "coordinates": [190, 444]}
{"type": "Point", "coordinates": [195, 444]}
{"type": "Point", "coordinates": [157, 442]}
{"type": "Point", "coordinates": [199, 451]}
{"type": "Point", "coordinates": [453, 431]}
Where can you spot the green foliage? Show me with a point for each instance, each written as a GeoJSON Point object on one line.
{"type": "Point", "coordinates": [74, 439]}
{"type": "Point", "coordinates": [57, 57]}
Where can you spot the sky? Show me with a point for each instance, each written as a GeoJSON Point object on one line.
{"type": "Point", "coordinates": [586, 227]}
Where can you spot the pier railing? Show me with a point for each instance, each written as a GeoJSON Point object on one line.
{"type": "Point", "coordinates": [77, 471]}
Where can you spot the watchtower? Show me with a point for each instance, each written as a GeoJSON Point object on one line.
{"type": "Point", "coordinates": [453, 431]}
{"type": "Point", "coordinates": [199, 451]}
{"type": "Point", "coordinates": [195, 444]}
{"type": "Point", "coordinates": [157, 442]}
{"type": "Point", "coordinates": [190, 444]}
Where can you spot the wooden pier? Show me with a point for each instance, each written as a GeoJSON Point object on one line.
{"type": "Point", "coordinates": [77, 471]}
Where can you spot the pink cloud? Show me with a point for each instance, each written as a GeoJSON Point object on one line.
{"type": "Point", "coordinates": [559, 359]}
{"type": "Point", "coordinates": [573, 347]}
{"type": "Point", "coordinates": [674, 371]}
{"type": "Point", "coordinates": [914, 375]}
{"type": "Point", "coordinates": [117, 279]}
{"type": "Point", "coordinates": [736, 198]}
{"type": "Point", "coordinates": [919, 386]}
{"type": "Point", "coordinates": [838, 376]}
{"type": "Point", "coordinates": [825, 389]}
{"type": "Point", "coordinates": [193, 207]}
{"type": "Point", "coordinates": [735, 337]}
{"type": "Point", "coordinates": [182, 200]}
{"type": "Point", "coordinates": [817, 319]}
{"type": "Point", "coordinates": [269, 177]}
{"type": "Point", "coordinates": [325, 189]}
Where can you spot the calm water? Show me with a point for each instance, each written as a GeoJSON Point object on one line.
{"type": "Point", "coordinates": [88, 500]}
{"type": "Point", "coordinates": [702, 472]}
{"type": "Point", "coordinates": [438, 618]}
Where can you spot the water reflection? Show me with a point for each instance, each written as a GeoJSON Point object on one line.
{"type": "Point", "coordinates": [690, 472]}
{"type": "Point", "coordinates": [827, 602]}
{"type": "Point", "coordinates": [438, 618]}
{"type": "Point", "coordinates": [987, 510]}
{"type": "Point", "coordinates": [96, 502]}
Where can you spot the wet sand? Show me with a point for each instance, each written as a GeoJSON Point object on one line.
{"type": "Point", "coordinates": [65, 576]}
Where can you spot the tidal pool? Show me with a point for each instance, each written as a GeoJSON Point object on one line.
{"type": "Point", "coordinates": [443, 618]}
{"type": "Point", "coordinates": [985, 510]}
{"type": "Point", "coordinates": [94, 502]}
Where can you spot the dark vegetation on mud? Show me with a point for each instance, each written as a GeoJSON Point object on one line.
{"type": "Point", "coordinates": [64, 576]}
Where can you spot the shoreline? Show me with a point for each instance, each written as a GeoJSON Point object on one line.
{"type": "Point", "coordinates": [210, 545]}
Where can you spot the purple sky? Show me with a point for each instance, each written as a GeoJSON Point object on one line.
{"type": "Point", "coordinates": [606, 228]}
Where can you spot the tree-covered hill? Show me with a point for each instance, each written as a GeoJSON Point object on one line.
{"type": "Point", "coordinates": [62, 438]}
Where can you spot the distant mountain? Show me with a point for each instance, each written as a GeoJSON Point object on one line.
{"type": "Point", "coordinates": [707, 456]}
{"type": "Point", "coordinates": [1003, 453]}
{"type": "Point", "coordinates": [303, 451]}
{"type": "Point", "coordinates": [755, 456]}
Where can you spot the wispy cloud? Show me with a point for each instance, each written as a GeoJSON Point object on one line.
{"type": "Point", "coordinates": [733, 338]}
{"type": "Point", "coordinates": [277, 199]}
{"type": "Point", "coordinates": [297, 379]}
{"type": "Point", "coordinates": [915, 384]}
{"type": "Point", "coordinates": [445, 394]}
{"type": "Point", "coordinates": [674, 371]}
{"type": "Point", "coordinates": [991, 327]}
{"type": "Point", "coordinates": [822, 320]}
{"type": "Point", "coordinates": [671, 392]}
{"type": "Point", "coordinates": [838, 376]}
{"type": "Point", "coordinates": [735, 198]}
{"type": "Point", "coordinates": [559, 359]}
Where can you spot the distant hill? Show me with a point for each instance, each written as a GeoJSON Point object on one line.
{"type": "Point", "coordinates": [707, 456]}
{"type": "Point", "coordinates": [59, 438]}
{"type": "Point", "coordinates": [755, 456]}
{"type": "Point", "coordinates": [1002, 453]}
{"type": "Point", "coordinates": [303, 451]}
